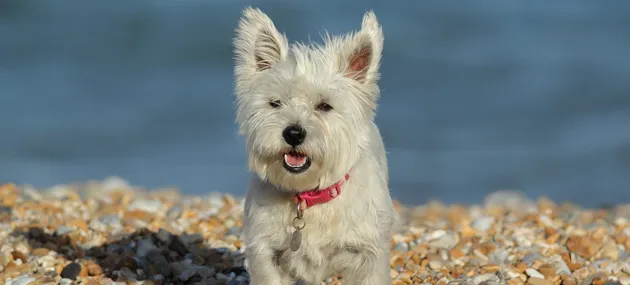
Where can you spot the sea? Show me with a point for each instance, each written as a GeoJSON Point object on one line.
{"type": "Point", "coordinates": [477, 96]}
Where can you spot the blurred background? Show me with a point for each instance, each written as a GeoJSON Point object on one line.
{"type": "Point", "coordinates": [477, 96]}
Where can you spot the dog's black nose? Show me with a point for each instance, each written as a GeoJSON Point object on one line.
{"type": "Point", "coordinates": [294, 135]}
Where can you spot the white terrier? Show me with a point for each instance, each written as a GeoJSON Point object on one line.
{"type": "Point", "coordinates": [319, 203]}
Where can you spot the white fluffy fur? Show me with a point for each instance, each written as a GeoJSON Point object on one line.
{"type": "Point", "coordinates": [350, 234]}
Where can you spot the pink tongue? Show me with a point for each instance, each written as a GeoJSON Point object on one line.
{"type": "Point", "coordinates": [295, 160]}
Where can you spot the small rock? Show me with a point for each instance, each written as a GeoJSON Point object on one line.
{"type": "Point", "coordinates": [71, 271]}
{"type": "Point", "coordinates": [64, 230]}
{"type": "Point", "coordinates": [436, 264]}
{"type": "Point", "coordinates": [499, 256]}
{"type": "Point", "coordinates": [530, 257]}
{"type": "Point", "coordinates": [40, 251]}
{"type": "Point", "coordinates": [22, 280]}
{"type": "Point", "coordinates": [609, 250]}
{"type": "Point", "coordinates": [150, 206]}
{"type": "Point", "coordinates": [159, 262]}
{"type": "Point", "coordinates": [163, 235]}
{"type": "Point", "coordinates": [401, 246]}
{"type": "Point", "coordinates": [585, 246]}
{"type": "Point", "coordinates": [538, 281]}
{"type": "Point", "coordinates": [5, 258]}
{"type": "Point", "coordinates": [184, 276]}
{"type": "Point", "coordinates": [94, 269]}
{"type": "Point", "coordinates": [561, 266]}
{"type": "Point", "coordinates": [112, 220]}
{"type": "Point", "coordinates": [534, 273]}
{"type": "Point", "coordinates": [144, 246]}
{"type": "Point", "coordinates": [189, 239]}
{"type": "Point", "coordinates": [482, 223]}
{"type": "Point", "coordinates": [19, 255]}
{"type": "Point", "coordinates": [446, 241]}
{"type": "Point", "coordinates": [65, 281]}
{"type": "Point", "coordinates": [174, 212]}
{"type": "Point", "coordinates": [488, 277]}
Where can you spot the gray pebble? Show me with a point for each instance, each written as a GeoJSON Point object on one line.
{"type": "Point", "coordinates": [483, 223]}
{"type": "Point", "coordinates": [534, 273]}
{"type": "Point", "coordinates": [174, 212]}
{"type": "Point", "coordinates": [499, 256]}
{"type": "Point", "coordinates": [488, 277]}
{"type": "Point", "coordinates": [401, 246]}
{"type": "Point", "coordinates": [112, 220]}
{"type": "Point", "coordinates": [4, 210]}
{"type": "Point", "coordinates": [64, 230]}
{"type": "Point", "coordinates": [235, 231]}
{"type": "Point", "coordinates": [530, 258]}
{"type": "Point", "coordinates": [446, 241]}
{"type": "Point", "coordinates": [561, 267]}
{"type": "Point", "coordinates": [164, 236]}
{"type": "Point", "coordinates": [65, 281]}
{"type": "Point", "coordinates": [159, 262]}
{"type": "Point", "coordinates": [151, 206]}
{"type": "Point", "coordinates": [144, 246]}
{"type": "Point", "coordinates": [22, 280]}
{"type": "Point", "coordinates": [237, 282]}
{"type": "Point", "coordinates": [184, 276]}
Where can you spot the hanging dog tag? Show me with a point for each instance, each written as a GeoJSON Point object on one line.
{"type": "Point", "coordinates": [298, 224]}
{"type": "Point", "coordinates": [296, 240]}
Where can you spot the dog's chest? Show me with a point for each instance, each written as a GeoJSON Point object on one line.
{"type": "Point", "coordinates": [324, 240]}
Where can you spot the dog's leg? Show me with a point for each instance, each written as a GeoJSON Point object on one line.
{"type": "Point", "coordinates": [369, 270]}
{"type": "Point", "coordinates": [263, 268]}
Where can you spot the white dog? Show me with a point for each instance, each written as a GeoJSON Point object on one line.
{"type": "Point", "coordinates": [319, 203]}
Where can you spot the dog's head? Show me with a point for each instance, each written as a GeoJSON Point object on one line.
{"type": "Point", "coordinates": [305, 109]}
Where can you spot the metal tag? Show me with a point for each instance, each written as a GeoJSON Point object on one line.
{"type": "Point", "coordinates": [296, 240]}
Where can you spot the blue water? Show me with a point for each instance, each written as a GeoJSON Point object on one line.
{"type": "Point", "coordinates": [477, 95]}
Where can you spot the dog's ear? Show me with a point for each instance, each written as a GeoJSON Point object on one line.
{"type": "Point", "coordinates": [361, 52]}
{"type": "Point", "coordinates": [258, 44]}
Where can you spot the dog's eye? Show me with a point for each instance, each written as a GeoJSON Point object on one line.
{"type": "Point", "coordinates": [274, 103]}
{"type": "Point", "coordinates": [324, 107]}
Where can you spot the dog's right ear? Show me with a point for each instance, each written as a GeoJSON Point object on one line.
{"type": "Point", "coordinates": [258, 44]}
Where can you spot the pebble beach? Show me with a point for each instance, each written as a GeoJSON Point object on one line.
{"type": "Point", "coordinates": [109, 232]}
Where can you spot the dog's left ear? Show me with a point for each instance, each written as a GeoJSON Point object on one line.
{"type": "Point", "coordinates": [258, 44]}
{"type": "Point", "coordinates": [361, 53]}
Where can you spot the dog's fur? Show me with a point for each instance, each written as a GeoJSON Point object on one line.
{"type": "Point", "coordinates": [351, 234]}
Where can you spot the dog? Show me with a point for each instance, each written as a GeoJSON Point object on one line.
{"type": "Point", "coordinates": [318, 202]}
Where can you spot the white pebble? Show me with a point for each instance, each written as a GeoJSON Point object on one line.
{"type": "Point", "coordinates": [22, 280]}
{"type": "Point", "coordinates": [531, 272]}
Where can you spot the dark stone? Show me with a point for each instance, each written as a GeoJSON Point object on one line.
{"type": "Point", "coordinates": [238, 270]}
{"type": "Point", "coordinates": [71, 271]}
{"type": "Point", "coordinates": [178, 246]}
{"type": "Point", "coordinates": [159, 263]}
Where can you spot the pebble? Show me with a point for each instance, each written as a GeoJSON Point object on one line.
{"type": "Point", "coordinates": [151, 206]}
{"type": "Point", "coordinates": [401, 246]}
{"type": "Point", "coordinates": [22, 280]}
{"type": "Point", "coordinates": [534, 273]}
{"type": "Point", "coordinates": [71, 271]}
{"type": "Point", "coordinates": [539, 281]}
{"type": "Point", "coordinates": [482, 224]}
{"type": "Point", "coordinates": [119, 234]}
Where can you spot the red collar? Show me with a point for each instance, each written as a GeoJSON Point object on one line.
{"type": "Point", "coordinates": [320, 196]}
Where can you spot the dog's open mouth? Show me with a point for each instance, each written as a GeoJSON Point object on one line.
{"type": "Point", "coordinates": [296, 162]}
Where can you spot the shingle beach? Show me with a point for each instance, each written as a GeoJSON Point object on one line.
{"type": "Point", "coordinates": [108, 232]}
